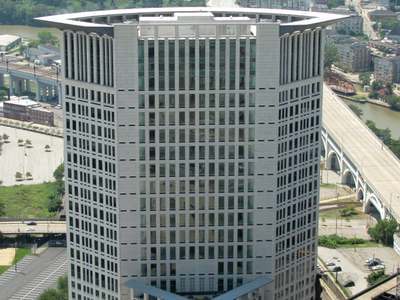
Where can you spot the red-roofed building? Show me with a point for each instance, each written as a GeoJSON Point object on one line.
{"type": "Point", "coordinates": [382, 94]}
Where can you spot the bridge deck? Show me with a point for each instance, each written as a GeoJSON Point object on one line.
{"type": "Point", "coordinates": [380, 167]}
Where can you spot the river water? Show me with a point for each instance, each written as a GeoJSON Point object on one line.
{"type": "Point", "coordinates": [382, 116]}
{"type": "Point", "coordinates": [26, 31]}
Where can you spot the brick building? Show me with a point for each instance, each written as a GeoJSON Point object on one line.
{"type": "Point", "coordinates": [356, 55]}
{"type": "Point", "coordinates": [28, 111]}
{"type": "Point", "coordinates": [387, 69]}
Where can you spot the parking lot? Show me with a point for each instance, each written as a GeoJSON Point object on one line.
{"type": "Point", "coordinates": [353, 263]}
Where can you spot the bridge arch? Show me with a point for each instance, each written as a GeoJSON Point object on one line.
{"type": "Point", "coordinates": [348, 178]}
{"type": "Point", "coordinates": [333, 161]}
{"type": "Point", "coordinates": [360, 194]}
{"type": "Point", "coordinates": [372, 199]}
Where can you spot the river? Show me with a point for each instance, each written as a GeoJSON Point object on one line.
{"type": "Point", "coordinates": [382, 116]}
{"type": "Point", "coordinates": [26, 31]}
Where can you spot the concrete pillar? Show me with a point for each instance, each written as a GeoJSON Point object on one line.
{"type": "Point", "coordinates": [1, 80]}
{"type": "Point", "coordinates": [51, 91]}
{"type": "Point", "coordinates": [37, 91]}
{"type": "Point", "coordinates": [10, 85]}
{"type": "Point", "coordinates": [27, 85]}
{"type": "Point", "coordinates": [59, 95]}
{"type": "Point", "coordinates": [17, 83]}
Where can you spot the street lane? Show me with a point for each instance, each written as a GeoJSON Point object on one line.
{"type": "Point", "coordinates": [41, 227]}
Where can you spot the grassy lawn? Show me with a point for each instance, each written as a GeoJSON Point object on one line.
{"type": "Point", "coordinates": [365, 245]}
{"type": "Point", "coordinates": [358, 215]}
{"type": "Point", "coordinates": [31, 200]}
{"type": "Point", "coordinates": [20, 255]}
{"type": "Point", "coordinates": [328, 185]}
{"type": "Point", "coordinates": [360, 94]}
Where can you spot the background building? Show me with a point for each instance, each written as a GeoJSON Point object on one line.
{"type": "Point", "coordinates": [192, 150]}
{"type": "Point", "coordinates": [387, 69]}
{"type": "Point", "coordinates": [27, 110]}
{"type": "Point", "coordinates": [8, 41]}
{"type": "Point", "coordinates": [353, 54]}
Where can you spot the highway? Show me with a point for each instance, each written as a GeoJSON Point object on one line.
{"type": "Point", "coordinates": [380, 168]}
{"type": "Point", "coordinates": [41, 227]}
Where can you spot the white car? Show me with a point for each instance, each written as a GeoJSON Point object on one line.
{"type": "Point", "coordinates": [331, 263]}
{"type": "Point", "coordinates": [30, 229]}
{"type": "Point", "coordinates": [378, 267]}
{"type": "Point", "coordinates": [369, 260]}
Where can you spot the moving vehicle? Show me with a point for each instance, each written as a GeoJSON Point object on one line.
{"type": "Point", "coordinates": [30, 229]}
{"type": "Point", "coordinates": [31, 223]}
{"type": "Point", "coordinates": [349, 283]}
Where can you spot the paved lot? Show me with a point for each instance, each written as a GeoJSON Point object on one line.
{"type": "Point", "coordinates": [353, 263]}
{"type": "Point", "coordinates": [35, 160]}
{"type": "Point", "coordinates": [347, 229]}
{"type": "Point", "coordinates": [33, 279]}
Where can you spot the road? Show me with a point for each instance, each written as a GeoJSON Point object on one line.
{"type": "Point", "coordinates": [379, 166]}
{"type": "Point", "coordinates": [41, 227]}
{"type": "Point", "coordinates": [367, 24]}
{"type": "Point", "coordinates": [34, 277]}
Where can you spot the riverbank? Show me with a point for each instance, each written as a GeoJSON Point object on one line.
{"type": "Point", "coordinates": [368, 100]}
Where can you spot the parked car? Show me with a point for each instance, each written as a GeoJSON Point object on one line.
{"type": "Point", "coordinates": [30, 229]}
{"type": "Point", "coordinates": [331, 263]}
{"type": "Point", "coordinates": [337, 269]}
{"type": "Point", "coordinates": [373, 263]}
{"type": "Point", "coordinates": [369, 260]}
{"type": "Point", "coordinates": [31, 223]}
{"type": "Point", "coordinates": [349, 283]}
{"type": "Point", "coordinates": [378, 267]}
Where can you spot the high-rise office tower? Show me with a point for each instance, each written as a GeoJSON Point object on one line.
{"type": "Point", "coordinates": [191, 150]}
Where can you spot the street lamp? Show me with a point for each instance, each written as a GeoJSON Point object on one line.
{"type": "Point", "coordinates": [34, 71]}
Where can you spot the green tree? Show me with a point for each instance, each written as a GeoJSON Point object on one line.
{"type": "Point", "coordinates": [390, 88]}
{"type": "Point", "coordinates": [47, 148]}
{"type": "Point", "coordinates": [22, 48]}
{"type": "Point", "coordinates": [358, 111]}
{"type": "Point", "coordinates": [45, 37]}
{"type": "Point", "coordinates": [62, 284]}
{"type": "Point", "coordinates": [28, 174]}
{"type": "Point", "coordinates": [392, 7]}
{"type": "Point", "coordinates": [20, 142]}
{"type": "Point", "coordinates": [28, 143]}
{"type": "Point", "coordinates": [394, 101]}
{"type": "Point", "coordinates": [3, 95]}
{"type": "Point", "coordinates": [376, 277]}
{"type": "Point", "coordinates": [33, 44]}
{"type": "Point", "coordinates": [5, 137]}
{"type": "Point", "coordinates": [52, 294]}
{"type": "Point", "coordinates": [342, 30]}
{"type": "Point", "coordinates": [383, 231]}
{"type": "Point", "coordinates": [18, 175]}
{"type": "Point", "coordinates": [58, 174]}
{"type": "Point", "coordinates": [365, 78]}
{"type": "Point", "coordinates": [331, 56]}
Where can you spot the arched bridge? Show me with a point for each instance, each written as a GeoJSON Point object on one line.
{"type": "Point", "coordinates": [362, 160]}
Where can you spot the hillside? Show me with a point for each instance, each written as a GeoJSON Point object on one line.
{"type": "Point", "coordinates": [23, 12]}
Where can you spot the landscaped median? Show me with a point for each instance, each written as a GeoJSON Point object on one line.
{"type": "Point", "coordinates": [31, 127]}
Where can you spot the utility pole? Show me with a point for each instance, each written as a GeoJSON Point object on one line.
{"type": "Point", "coordinates": [336, 222]}
{"type": "Point", "coordinates": [355, 242]}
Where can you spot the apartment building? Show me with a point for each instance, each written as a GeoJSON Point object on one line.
{"type": "Point", "coordinates": [387, 69]}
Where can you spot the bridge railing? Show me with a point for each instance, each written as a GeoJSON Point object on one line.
{"type": "Point", "coordinates": [354, 161]}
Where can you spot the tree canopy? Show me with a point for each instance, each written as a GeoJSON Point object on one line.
{"type": "Point", "coordinates": [45, 37]}
{"type": "Point", "coordinates": [383, 134]}
{"type": "Point", "coordinates": [383, 231]}
{"type": "Point", "coordinates": [392, 24]}
{"type": "Point", "coordinates": [331, 56]}
{"type": "Point", "coordinates": [375, 277]}
{"type": "Point", "coordinates": [358, 111]}
{"type": "Point", "coordinates": [60, 294]}
{"type": "Point", "coordinates": [23, 12]}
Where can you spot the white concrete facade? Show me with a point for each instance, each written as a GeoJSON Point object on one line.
{"type": "Point", "coordinates": [192, 152]}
